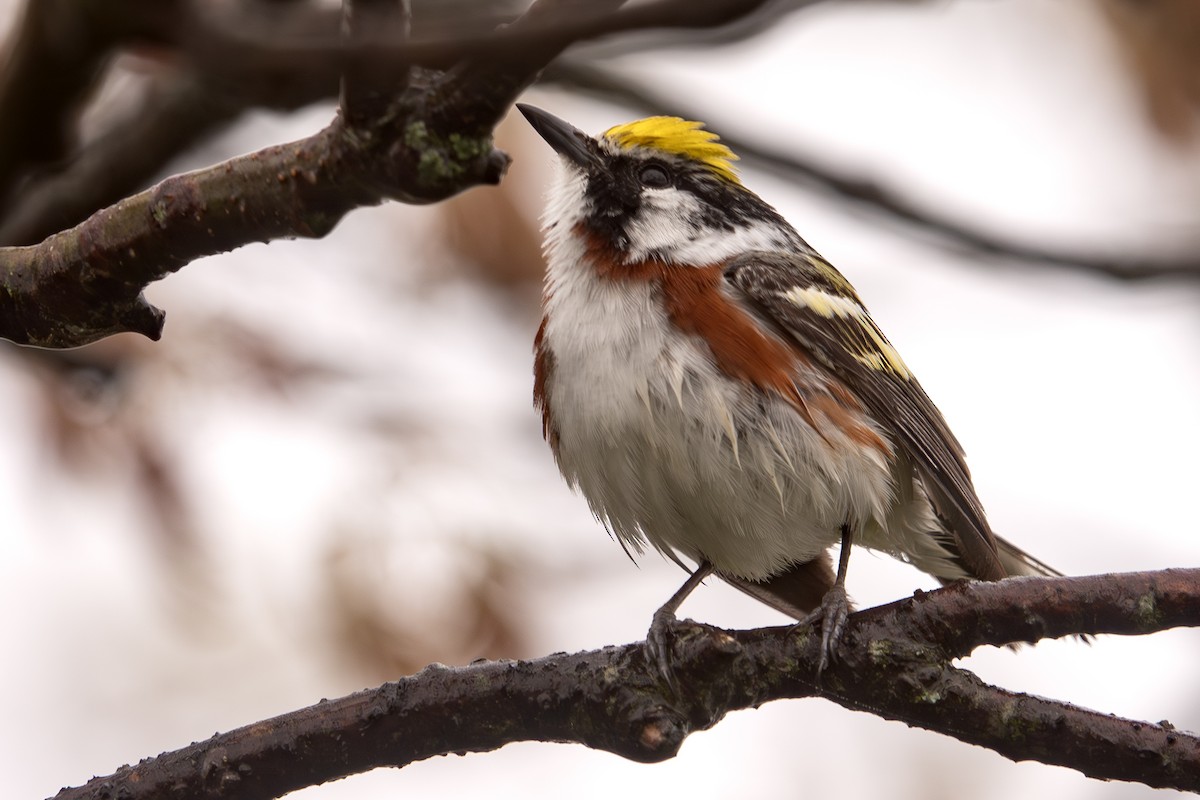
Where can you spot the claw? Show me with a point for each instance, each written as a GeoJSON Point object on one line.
{"type": "Point", "coordinates": [658, 638]}
{"type": "Point", "coordinates": [831, 615]}
{"type": "Point", "coordinates": [834, 609]}
{"type": "Point", "coordinates": [658, 646]}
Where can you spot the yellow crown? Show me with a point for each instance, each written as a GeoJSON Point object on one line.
{"type": "Point", "coordinates": [678, 137]}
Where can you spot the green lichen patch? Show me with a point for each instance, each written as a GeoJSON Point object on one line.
{"type": "Point", "coordinates": [447, 160]}
{"type": "Point", "coordinates": [880, 651]}
{"type": "Point", "coordinates": [1148, 615]}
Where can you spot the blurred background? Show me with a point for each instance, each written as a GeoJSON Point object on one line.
{"type": "Point", "coordinates": [328, 473]}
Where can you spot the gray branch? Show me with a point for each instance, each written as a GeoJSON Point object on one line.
{"type": "Point", "coordinates": [895, 662]}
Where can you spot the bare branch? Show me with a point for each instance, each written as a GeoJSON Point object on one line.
{"type": "Point", "coordinates": [365, 95]}
{"type": "Point", "coordinates": [224, 73]}
{"type": "Point", "coordinates": [230, 47]}
{"type": "Point", "coordinates": [894, 662]}
{"type": "Point", "coordinates": [182, 109]}
{"type": "Point", "coordinates": [85, 283]}
{"type": "Point", "coordinates": [427, 143]}
{"type": "Point", "coordinates": [968, 615]}
{"type": "Point", "coordinates": [175, 115]}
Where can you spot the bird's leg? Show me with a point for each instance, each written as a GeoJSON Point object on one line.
{"type": "Point", "coordinates": [658, 642]}
{"type": "Point", "coordinates": [835, 606]}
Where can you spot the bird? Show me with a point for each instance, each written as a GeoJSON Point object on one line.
{"type": "Point", "coordinates": [718, 391]}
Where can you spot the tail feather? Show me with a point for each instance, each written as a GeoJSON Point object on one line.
{"type": "Point", "coordinates": [947, 567]}
{"type": "Point", "coordinates": [1017, 562]}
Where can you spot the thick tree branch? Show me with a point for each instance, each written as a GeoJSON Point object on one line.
{"type": "Point", "coordinates": [430, 141]}
{"type": "Point", "coordinates": [237, 46]}
{"type": "Point", "coordinates": [178, 113]}
{"type": "Point", "coordinates": [365, 96]}
{"type": "Point", "coordinates": [86, 283]}
{"type": "Point", "coordinates": [183, 108]}
{"type": "Point", "coordinates": [894, 661]}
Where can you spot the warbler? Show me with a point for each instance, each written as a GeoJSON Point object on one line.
{"type": "Point", "coordinates": [717, 390]}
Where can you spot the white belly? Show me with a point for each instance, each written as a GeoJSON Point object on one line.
{"type": "Point", "coordinates": [671, 452]}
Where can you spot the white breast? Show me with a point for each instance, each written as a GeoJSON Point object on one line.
{"type": "Point", "coordinates": [670, 452]}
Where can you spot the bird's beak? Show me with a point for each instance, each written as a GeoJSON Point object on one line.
{"type": "Point", "coordinates": [567, 140]}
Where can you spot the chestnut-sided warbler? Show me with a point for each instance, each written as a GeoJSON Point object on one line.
{"type": "Point", "coordinates": [717, 390]}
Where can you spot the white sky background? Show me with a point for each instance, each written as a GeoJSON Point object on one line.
{"type": "Point", "coordinates": [1076, 398]}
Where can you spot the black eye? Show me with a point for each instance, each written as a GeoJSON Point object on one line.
{"type": "Point", "coordinates": [654, 176]}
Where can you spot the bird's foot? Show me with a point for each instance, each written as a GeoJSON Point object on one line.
{"type": "Point", "coordinates": [659, 645]}
{"type": "Point", "coordinates": [662, 628]}
{"type": "Point", "coordinates": [831, 615]}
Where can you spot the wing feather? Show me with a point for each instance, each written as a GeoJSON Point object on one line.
{"type": "Point", "coordinates": [813, 304]}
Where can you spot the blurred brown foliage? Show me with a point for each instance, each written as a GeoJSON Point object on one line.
{"type": "Point", "coordinates": [1160, 40]}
